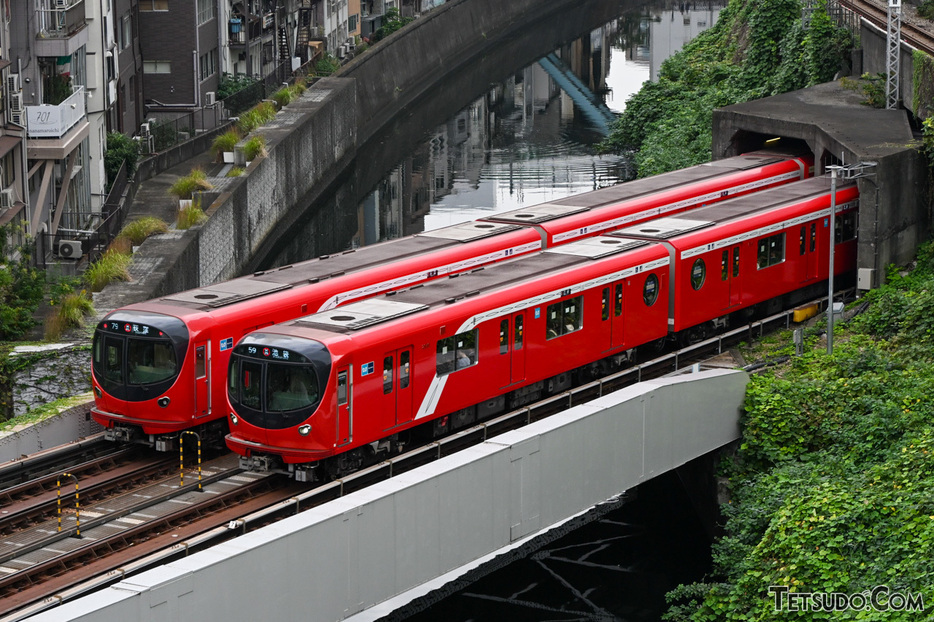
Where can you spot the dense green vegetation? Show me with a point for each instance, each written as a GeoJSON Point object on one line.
{"type": "Point", "coordinates": [22, 287]}
{"type": "Point", "coordinates": [755, 49]}
{"type": "Point", "coordinates": [832, 483]}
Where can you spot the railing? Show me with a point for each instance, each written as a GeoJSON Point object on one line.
{"type": "Point", "coordinates": [49, 121]}
{"type": "Point", "coordinates": [60, 18]}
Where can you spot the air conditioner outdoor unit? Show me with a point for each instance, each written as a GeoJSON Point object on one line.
{"type": "Point", "coordinates": [62, 4]}
{"type": "Point", "coordinates": [6, 198]}
{"type": "Point", "coordinates": [144, 130]}
{"type": "Point", "coordinates": [209, 98]}
{"type": "Point", "coordinates": [18, 118]}
{"type": "Point", "coordinates": [16, 102]}
{"type": "Point", "coordinates": [12, 83]}
{"type": "Point", "coordinates": [341, 50]}
{"type": "Point", "coordinates": [70, 249]}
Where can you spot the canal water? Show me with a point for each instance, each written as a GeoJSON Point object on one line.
{"type": "Point", "coordinates": [525, 140]}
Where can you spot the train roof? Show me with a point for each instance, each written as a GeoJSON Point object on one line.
{"type": "Point", "coordinates": [637, 188]}
{"type": "Point", "coordinates": [365, 313]}
{"type": "Point", "coordinates": [330, 266]}
{"type": "Point", "coordinates": [732, 209]}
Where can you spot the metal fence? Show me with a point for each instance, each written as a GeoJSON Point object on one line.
{"type": "Point", "coordinates": [75, 244]}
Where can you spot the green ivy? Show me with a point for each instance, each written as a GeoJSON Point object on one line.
{"type": "Point", "coordinates": [754, 50]}
{"type": "Point", "coordinates": [831, 487]}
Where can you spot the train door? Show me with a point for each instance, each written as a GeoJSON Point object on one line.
{"type": "Point", "coordinates": [404, 388]}
{"type": "Point", "coordinates": [202, 379]}
{"type": "Point", "coordinates": [618, 334]}
{"type": "Point", "coordinates": [512, 347]}
{"type": "Point", "coordinates": [736, 289]}
{"type": "Point", "coordinates": [344, 406]}
{"type": "Point", "coordinates": [517, 354]}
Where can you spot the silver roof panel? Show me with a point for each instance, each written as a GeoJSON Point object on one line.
{"type": "Point", "coordinates": [662, 229]}
{"type": "Point", "coordinates": [596, 247]}
{"type": "Point", "coordinates": [364, 313]}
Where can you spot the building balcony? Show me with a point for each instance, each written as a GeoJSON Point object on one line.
{"type": "Point", "coordinates": [62, 27]}
{"type": "Point", "coordinates": [53, 131]}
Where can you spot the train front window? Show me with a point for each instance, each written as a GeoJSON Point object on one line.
{"type": "Point", "coordinates": [250, 376]}
{"type": "Point", "coordinates": [150, 361]}
{"type": "Point", "coordinates": [108, 356]}
{"type": "Point", "coordinates": [290, 387]}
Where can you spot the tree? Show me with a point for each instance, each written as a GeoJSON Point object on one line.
{"type": "Point", "coordinates": [22, 287]}
{"type": "Point", "coordinates": [120, 148]}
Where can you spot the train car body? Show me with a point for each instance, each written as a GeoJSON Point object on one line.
{"type": "Point", "coordinates": [452, 351]}
{"type": "Point", "coordinates": [159, 367]}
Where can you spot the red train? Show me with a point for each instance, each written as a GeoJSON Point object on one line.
{"type": "Point", "coordinates": [159, 367]}
{"type": "Point", "coordinates": [323, 394]}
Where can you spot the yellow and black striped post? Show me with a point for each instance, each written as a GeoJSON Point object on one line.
{"type": "Point", "coordinates": [181, 457]}
{"type": "Point", "coordinates": [58, 483]}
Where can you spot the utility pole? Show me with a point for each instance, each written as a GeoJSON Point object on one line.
{"type": "Point", "coordinates": [852, 171]}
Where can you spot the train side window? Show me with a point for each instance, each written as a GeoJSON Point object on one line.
{"type": "Point", "coordinates": [650, 290]}
{"type": "Point", "coordinates": [456, 352]}
{"type": "Point", "coordinates": [813, 236]}
{"type": "Point", "coordinates": [341, 388]}
{"type": "Point", "coordinates": [200, 362]}
{"type": "Point", "coordinates": [803, 240]}
{"type": "Point", "coordinates": [387, 374]}
{"type": "Point", "coordinates": [618, 308]}
{"type": "Point", "coordinates": [564, 317]}
{"type": "Point", "coordinates": [517, 340]}
{"type": "Point", "coordinates": [735, 261]}
{"type": "Point", "coordinates": [404, 370]}
{"type": "Point", "coordinates": [698, 273]}
{"type": "Point", "coordinates": [605, 308]}
{"type": "Point", "coordinates": [771, 251]}
{"type": "Point", "coordinates": [444, 363]}
{"type": "Point", "coordinates": [724, 265]}
{"type": "Point", "coordinates": [503, 336]}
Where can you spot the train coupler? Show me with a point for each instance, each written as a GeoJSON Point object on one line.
{"type": "Point", "coordinates": [258, 464]}
{"type": "Point", "coordinates": [120, 434]}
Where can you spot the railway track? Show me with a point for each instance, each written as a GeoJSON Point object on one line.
{"type": "Point", "coordinates": [162, 521]}
{"type": "Point", "coordinates": [915, 31]}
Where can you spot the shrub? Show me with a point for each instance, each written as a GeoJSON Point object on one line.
{"type": "Point", "coordinates": [256, 116]}
{"type": "Point", "coordinates": [21, 288]}
{"type": "Point", "coordinates": [112, 266]}
{"type": "Point", "coordinates": [72, 310]}
{"type": "Point", "coordinates": [327, 65]}
{"type": "Point", "coordinates": [191, 216]}
{"type": "Point", "coordinates": [138, 230]}
{"type": "Point", "coordinates": [284, 96]}
{"type": "Point", "coordinates": [235, 171]}
{"type": "Point", "coordinates": [926, 9]}
{"type": "Point", "coordinates": [254, 147]}
{"type": "Point", "coordinates": [186, 186]}
{"type": "Point", "coordinates": [230, 84]}
{"type": "Point", "coordinates": [225, 142]}
{"type": "Point", "coordinates": [120, 148]}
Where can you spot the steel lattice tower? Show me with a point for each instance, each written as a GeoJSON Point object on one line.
{"type": "Point", "coordinates": [893, 39]}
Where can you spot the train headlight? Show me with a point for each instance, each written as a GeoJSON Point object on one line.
{"type": "Point", "coordinates": [163, 402]}
{"type": "Point", "coordinates": [234, 419]}
{"type": "Point", "coordinates": [305, 430]}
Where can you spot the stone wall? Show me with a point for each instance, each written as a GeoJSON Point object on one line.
{"type": "Point", "coordinates": [42, 374]}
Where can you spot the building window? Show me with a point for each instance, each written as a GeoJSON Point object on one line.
{"type": "Point", "coordinates": [157, 66]}
{"type": "Point", "coordinates": [208, 63]}
{"type": "Point", "coordinates": [125, 32]}
{"type": "Point", "coordinates": [206, 11]}
{"type": "Point", "coordinates": [153, 5]}
{"type": "Point", "coordinates": [564, 317]}
{"type": "Point", "coordinates": [456, 352]}
{"type": "Point", "coordinates": [771, 251]}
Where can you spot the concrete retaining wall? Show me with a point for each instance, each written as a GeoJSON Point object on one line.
{"type": "Point", "coordinates": [341, 558]}
{"type": "Point", "coordinates": [72, 424]}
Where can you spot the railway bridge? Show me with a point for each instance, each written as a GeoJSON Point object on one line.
{"type": "Point", "coordinates": [367, 553]}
